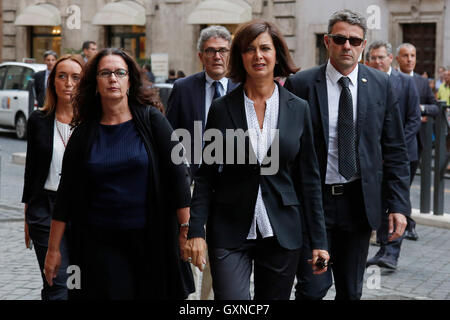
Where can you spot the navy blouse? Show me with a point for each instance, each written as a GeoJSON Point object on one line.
{"type": "Point", "coordinates": [118, 178]}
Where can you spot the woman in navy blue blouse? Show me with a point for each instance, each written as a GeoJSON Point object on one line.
{"type": "Point", "coordinates": [114, 194]}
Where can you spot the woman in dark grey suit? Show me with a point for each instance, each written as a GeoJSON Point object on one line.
{"type": "Point", "coordinates": [258, 211]}
{"type": "Point", "coordinates": [48, 134]}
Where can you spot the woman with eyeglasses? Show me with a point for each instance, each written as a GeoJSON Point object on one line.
{"type": "Point", "coordinates": [258, 211]}
{"type": "Point", "coordinates": [114, 194]}
{"type": "Point", "coordinates": [49, 131]}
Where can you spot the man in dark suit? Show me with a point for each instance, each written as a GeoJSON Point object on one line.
{"type": "Point", "coordinates": [190, 99]}
{"type": "Point", "coordinates": [406, 58]}
{"type": "Point", "coordinates": [380, 57]}
{"type": "Point", "coordinates": [40, 78]}
{"type": "Point", "coordinates": [360, 148]}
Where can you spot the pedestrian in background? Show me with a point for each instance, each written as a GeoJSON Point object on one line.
{"type": "Point", "coordinates": [254, 220]}
{"type": "Point", "coordinates": [41, 77]}
{"type": "Point", "coordinates": [444, 89]}
{"type": "Point", "coordinates": [89, 49]}
{"type": "Point", "coordinates": [406, 58]}
{"type": "Point", "coordinates": [48, 134]}
{"type": "Point", "coordinates": [121, 193]}
{"type": "Point", "coordinates": [180, 74]}
{"type": "Point", "coordinates": [172, 76]}
{"type": "Point", "coordinates": [190, 101]}
{"type": "Point", "coordinates": [381, 57]}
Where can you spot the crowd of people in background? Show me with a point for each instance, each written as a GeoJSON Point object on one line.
{"type": "Point", "coordinates": [102, 191]}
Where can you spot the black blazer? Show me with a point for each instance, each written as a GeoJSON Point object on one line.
{"type": "Point", "coordinates": [426, 96]}
{"type": "Point", "coordinates": [186, 104]}
{"type": "Point", "coordinates": [170, 277]}
{"type": "Point", "coordinates": [39, 153]}
{"type": "Point", "coordinates": [225, 194]}
{"type": "Point", "coordinates": [39, 87]}
{"type": "Point", "coordinates": [408, 102]}
{"type": "Point", "coordinates": [383, 158]}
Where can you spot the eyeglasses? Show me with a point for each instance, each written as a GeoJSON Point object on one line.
{"type": "Point", "coordinates": [120, 73]}
{"type": "Point", "coordinates": [211, 52]}
{"type": "Point", "coordinates": [375, 58]}
{"type": "Point", "coordinates": [340, 40]}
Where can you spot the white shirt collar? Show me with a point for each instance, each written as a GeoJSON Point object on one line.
{"type": "Point", "coordinates": [389, 71]}
{"type": "Point", "coordinates": [209, 81]}
{"type": "Point", "coordinates": [335, 75]}
{"type": "Point", "coordinates": [409, 73]}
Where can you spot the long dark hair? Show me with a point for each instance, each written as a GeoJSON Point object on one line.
{"type": "Point", "coordinates": [87, 103]}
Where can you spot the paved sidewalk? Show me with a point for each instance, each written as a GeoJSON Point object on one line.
{"type": "Point", "coordinates": [423, 271]}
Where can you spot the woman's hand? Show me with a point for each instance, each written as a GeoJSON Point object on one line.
{"type": "Point", "coordinates": [51, 265]}
{"type": "Point", "coordinates": [316, 254]}
{"type": "Point", "coordinates": [182, 238]}
{"type": "Point", "coordinates": [195, 252]}
{"type": "Point", "coordinates": [26, 230]}
{"type": "Point", "coordinates": [27, 236]}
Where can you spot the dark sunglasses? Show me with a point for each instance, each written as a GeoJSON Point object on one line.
{"type": "Point", "coordinates": [340, 40]}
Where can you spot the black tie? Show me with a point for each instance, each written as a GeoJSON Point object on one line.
{"type": "Point", "coordinates": [346, 132]}
{"type": "Point", "coordinates": [216, 90]}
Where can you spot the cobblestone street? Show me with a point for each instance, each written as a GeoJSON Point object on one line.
{"type": "Point", "coordinates": [423, 271]}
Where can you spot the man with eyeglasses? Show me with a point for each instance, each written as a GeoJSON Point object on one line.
{"type": "Point", "coordinates": [380, 57]}
{"type": "Point", "coordinates": [191, 98]}
{"type": "Point", "coordinates": [361, 150]}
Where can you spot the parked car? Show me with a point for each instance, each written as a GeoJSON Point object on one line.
{"type": "Point", "coordinates": [17, 97]}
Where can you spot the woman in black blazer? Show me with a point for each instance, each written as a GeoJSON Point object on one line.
{"type": "Point", "coordinates": [48, 134]}
{"type": "Point", "coordinates": [257, 211]}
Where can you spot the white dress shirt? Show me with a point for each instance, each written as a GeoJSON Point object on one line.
{"type": "Point", "coordinates": [209, 91]}
{"type": "Point", "coordinates": [261, 141]}
{"type": "Point", "coordinates": [54, 173]}
{"type": "Point", "coordinates": [334, 92]}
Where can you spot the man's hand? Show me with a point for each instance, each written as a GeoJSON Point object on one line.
{"type": "Point", "coordinates": [397, 223]}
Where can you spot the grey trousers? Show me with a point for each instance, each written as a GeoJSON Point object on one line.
{"type": "Point", "coordinates": [274, 270]}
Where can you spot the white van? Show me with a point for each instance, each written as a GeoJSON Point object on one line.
{"type": "Point", "coordinates": [17, 97]}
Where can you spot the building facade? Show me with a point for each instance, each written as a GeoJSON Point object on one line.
{"type": "Point", "coordinates": [172, 27]}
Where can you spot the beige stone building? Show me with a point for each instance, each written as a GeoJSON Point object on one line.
{"type": "Point", "coordinates": [145, 27]}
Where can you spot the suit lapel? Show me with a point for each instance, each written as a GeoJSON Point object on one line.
{"type": "Point", "coordinates": [236, 108]}
{"type": "Point", "coordinates": [322, 98]}
{"type": "Point", "coordinates": [363, 96]}
{"type": "Point", "coordinates": [199, 104]}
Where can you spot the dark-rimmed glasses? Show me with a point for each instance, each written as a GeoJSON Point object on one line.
{"type": "Point", "coordinates": [211, 52]}
{"type": "Point", "coordinates": [340, 40]}
{"type": "Point", "coordinates": [120, 73]}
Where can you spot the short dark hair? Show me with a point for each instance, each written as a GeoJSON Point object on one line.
{"type": "Point", "coordinates": [50, 53]}
{"type": "Point", "coordinates": [87, 44]}
{"type": "Point", "coordinates": [245, 34]}
{"type": "Point", "coordinates": [171, 72]}
{"type": "Point", "coordinates": [87, 103]}
{"type": "Point", "coordinates": [350, 17]}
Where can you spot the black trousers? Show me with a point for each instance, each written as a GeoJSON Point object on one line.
{"type": "Point", "coordinates": [114, 265]}
{"type": "Point", "coordinates": [274, 270]}
{"type": "Point", "coordinates": [348, 234]}
{"type": "Point", "coordinates": [42, 208]}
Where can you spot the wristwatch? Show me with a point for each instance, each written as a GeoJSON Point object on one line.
{"type": "Point", "coordinates": [184, 225]}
